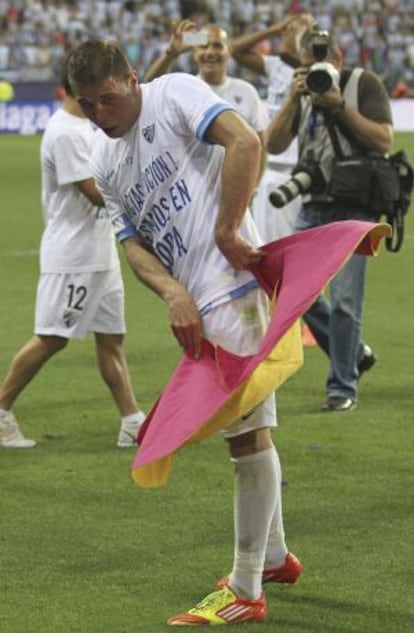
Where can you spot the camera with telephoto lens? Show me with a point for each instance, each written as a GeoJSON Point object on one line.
{"type": "Point", "coordinates": [305, 177]}
{"type": "Point", "coordinates": [322, 76]}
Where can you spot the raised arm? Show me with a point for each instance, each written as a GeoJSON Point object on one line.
{"type": "Point", "coordinates": [242, 48]}
{"type": "Point", "coordinates": [294, 28]}
{"type": "Point", "coordinates": [175, 47]}
{"type": "Point", "coordinates": [291, 29]}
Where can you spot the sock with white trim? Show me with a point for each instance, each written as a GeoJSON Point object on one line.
{"type": "Point", "coordinates": [257, 491]}
{"type": "Point", "coordinates": [276, 549]}
{"type": "Point", "coordinates": [135, 418]}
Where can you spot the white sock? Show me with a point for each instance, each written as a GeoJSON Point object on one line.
{"type": "Point", "coordinates": [133, 419]}
{"type": "Point", "coordinates": [257, 491]}
{"type": "Point", "coordinates": [276, 549]}
{"type": "Point", "coordinates": [6, 415]}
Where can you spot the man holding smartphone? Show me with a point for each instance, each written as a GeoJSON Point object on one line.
{"type": "Point", "coordinates": [211, 52]}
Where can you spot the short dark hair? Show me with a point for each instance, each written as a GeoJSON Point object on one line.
{"type": "Point", "coordinates": [93, 61]}
{"type": "Point", "coordinates": [64, 76]}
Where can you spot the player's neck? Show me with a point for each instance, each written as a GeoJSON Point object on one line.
{"type": "Point", "coordinates": [71, 106]}
{"type": "Point", "coordinates": [214, 79]}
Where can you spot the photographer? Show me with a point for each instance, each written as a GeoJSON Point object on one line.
{"type": "Point", "coordinates": [354, 103]}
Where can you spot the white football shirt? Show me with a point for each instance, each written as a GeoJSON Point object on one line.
{"type": "Point", "coordinates": [78, 236]}
{"type": "Point", "coordinates": [280, 77]}
{"type": "Point", "coordinates": [163, 181]}
{"type": "Point", "coordinates": [245, 100]}
{"type": "Point", "coordinates": [276, 223]}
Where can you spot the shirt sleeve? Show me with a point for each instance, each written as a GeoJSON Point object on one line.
{"type": "Point", "coordinates": [72, 158]}
{"type": "Point", "coordinates": [260, 119]}
{"type": "Point", "coordinates": [272, 65]}
{"type": "Point", "coordinates": [194, 104]}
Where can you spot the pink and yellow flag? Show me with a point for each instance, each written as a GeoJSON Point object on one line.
{"type": "Point", "coordinates": [208, 394]}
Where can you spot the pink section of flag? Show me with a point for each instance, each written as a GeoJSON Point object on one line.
{"type": "Point", "coordinates": [295, 269]}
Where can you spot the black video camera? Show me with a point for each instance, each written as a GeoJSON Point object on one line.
{"type": "Point", "coordinates": [322, 75]}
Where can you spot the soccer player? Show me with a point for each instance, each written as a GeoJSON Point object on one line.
{"type": "Point", "coordinates": [177, 167]}
{"type": "Point", "coordinates": [80, 289]}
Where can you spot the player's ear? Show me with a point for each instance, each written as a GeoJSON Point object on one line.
{"type": "Point", "coordinates": [133, 78]}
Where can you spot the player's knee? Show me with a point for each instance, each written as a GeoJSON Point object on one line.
{"type": "Point", "coordinates": [250, 442]}
{"type": "Point", "coordinates": [53, 344]}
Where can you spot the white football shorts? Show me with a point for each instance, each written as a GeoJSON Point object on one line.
{"type": "Point", "coordinates": [239, 326]}
{"type": "Point", "coordinates": [73, 304]}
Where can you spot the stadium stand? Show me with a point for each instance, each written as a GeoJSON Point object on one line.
{"type": "Point", "coordinates": [34, 34]}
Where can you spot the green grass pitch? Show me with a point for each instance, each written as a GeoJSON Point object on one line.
{"type": "Point", "coordinates": [82, 550]}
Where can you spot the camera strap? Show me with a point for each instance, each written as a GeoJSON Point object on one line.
{"type": "Point", "coordinates": [312, 124]}
{"type": "Point", "coordinates": [333, 136]}
{"type": "Point", "coordinates": [348, 83]}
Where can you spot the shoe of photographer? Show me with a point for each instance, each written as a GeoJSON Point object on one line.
{"type": "Point", "coordinates": [367, 361]}
{"type": "Point", "coordinates": [336, 403]}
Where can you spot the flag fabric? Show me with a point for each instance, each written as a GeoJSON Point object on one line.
{"type": "Point", "coordinates": [212, 392]}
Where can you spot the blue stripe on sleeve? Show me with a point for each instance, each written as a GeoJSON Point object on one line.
{"type": "Point", "coordinates": [242, 290]}
{"type": "Point", "coordinates": [127, 230]}
{"type": "Point", "coordinates": [236, 293]}
{"type": "Point", "coordinates": [209, 116]}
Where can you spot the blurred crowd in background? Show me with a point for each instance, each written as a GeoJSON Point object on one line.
{"type": "Point", "coordinates": [35, 34]}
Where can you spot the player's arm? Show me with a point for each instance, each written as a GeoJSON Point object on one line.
{"type": "Point", "coordinates": [185, 320]}
{"type": "Point", "coordinates": [175, 47]}
{"type": "Point", "coordinates": [88, 188]}
{"type": "Point", "coordinates": [242, 48]}
{"type": "Point", "coordinates": [238, 180]}
{"type": "Point", "coordinates": [184, 316]}
{"type": "Point", "coordinates": [292, 32]}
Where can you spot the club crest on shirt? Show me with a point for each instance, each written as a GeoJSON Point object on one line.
{"type": "Point", "coordinates": [148, 133]}
{"type": "Point", "coordinates": [69, 318]}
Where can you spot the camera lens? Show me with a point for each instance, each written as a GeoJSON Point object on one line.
{"type": "Point", "coordinates": [299, 183]}
{"type": "Point", "coordinates": [318, 81]}
{"type": "Point", "coordinates": [321, 77]}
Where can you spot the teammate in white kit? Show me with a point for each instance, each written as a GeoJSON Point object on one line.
{"type": "Point", "coordinates": [274, 223]}
{"type": "Point", "coordinates": [177, 167]}
{"type": "Point", "coordinates": [80, 289]}
{"type": "Point", "coordinates": [211, 59]}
